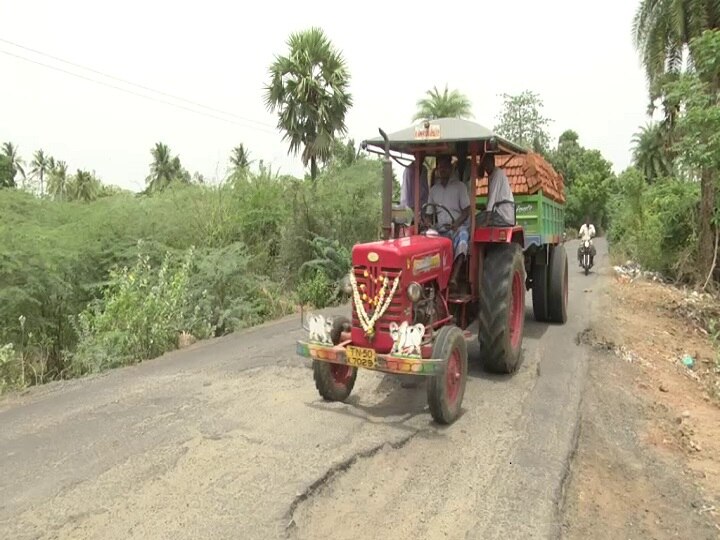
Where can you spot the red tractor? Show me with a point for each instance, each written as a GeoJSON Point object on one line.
{"type": "Point", "coordinates": [406, 317]}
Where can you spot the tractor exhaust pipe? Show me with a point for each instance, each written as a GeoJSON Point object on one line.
{"type": "Point", "coordinates": [387, 189]}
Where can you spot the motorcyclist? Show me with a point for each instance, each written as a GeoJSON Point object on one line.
{"type": "Point", "coordinates": [587, 232]}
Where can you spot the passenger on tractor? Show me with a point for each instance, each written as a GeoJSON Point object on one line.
{"type": "Point", "coordinates": [451, 194]}
{"type": "Point", "coordinates": [586, 234]}
{"type": "Point", "coordinates": [500, 211]}
{"type": "Point", "coordinates": [407, 189]}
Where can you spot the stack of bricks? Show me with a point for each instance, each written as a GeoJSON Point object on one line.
{"type": "Point", "coordinates": [528, 174]}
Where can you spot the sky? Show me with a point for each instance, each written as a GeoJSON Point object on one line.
{"type": "Point", "coordinates": [577, 56]}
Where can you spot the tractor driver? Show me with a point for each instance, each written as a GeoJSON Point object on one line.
{"type": "Point", "coordinates": [452, 194]}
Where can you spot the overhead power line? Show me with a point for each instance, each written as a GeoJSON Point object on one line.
{"type": "Point", "coordinates": [103, 83]}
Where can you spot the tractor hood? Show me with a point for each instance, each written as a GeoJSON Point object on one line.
{"type": "Point", "coordinates": [414, 256]}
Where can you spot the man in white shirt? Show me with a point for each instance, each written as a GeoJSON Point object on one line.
{"type": "Point", "coordinates": [587, 232]}
{"type": "Point", "coordinates": [499, 210]}
{"type": "Point", "coordinates": [451, 193]}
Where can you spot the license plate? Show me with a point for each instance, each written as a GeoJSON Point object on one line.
{"type": "Point", "coordinates": [360, 357]}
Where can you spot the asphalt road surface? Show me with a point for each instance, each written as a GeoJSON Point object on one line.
{"type": "Point", "coordinates": [229, 439]}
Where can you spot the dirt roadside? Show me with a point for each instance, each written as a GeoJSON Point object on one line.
{"type": "Point", "coordinates": [647, 463]}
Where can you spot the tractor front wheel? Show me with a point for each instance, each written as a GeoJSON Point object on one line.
{"type": "Point", "coordinates": [502, 308]}
{"type": "Point", "coordinates": [335, 381]}
{"type": "Point", "coordinates": [445, 391]}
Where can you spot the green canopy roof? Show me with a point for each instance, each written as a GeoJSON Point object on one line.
{"type": "Point", "coordinates": [443, 131]}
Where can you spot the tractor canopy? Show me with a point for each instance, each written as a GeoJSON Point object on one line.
{"type": "Point", "coordinates": [444, 136]}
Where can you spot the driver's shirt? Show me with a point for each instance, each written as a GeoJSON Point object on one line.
{"type": "Point", "coordinates": [587, 232]}
{"type": "Point", "coordinates": [453, 196]}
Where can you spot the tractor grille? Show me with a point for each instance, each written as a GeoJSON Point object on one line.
{"type": "Point", "coordinates": [394, 311]}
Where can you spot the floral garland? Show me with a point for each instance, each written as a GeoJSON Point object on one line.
{"type": "Point", "coordinates": [380, 302]}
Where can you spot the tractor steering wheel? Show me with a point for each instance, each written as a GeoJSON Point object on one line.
{"type": "Point", "coordinates": [445, 227]}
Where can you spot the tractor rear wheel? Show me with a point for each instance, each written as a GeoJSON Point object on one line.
{"type": "Point", "coordinates": [502, 308]}
{"type": "Point", "coordinates": [558, 285]}
{"type": "Point", "coordinates": [540, 290]}
{"type": "Point", "coordinates": [445, 390]}
{"type": "Point", "coordinates": [335, 381]}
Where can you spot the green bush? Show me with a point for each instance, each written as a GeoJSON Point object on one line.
{"type": "Point", "coordinates": [316, 289]}
{"type": "Point", "coordinates": [654, 224]}
{"type": "Point", "coordinates": [141, 313]}
{"type": "Point", "coordinates": [66, 266]}
{"type": "Point", "coordinates": [11, 375]}
{"type": "Point", "coordinates": [230, 295]}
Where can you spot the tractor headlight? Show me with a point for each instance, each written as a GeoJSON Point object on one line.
{"type": "Point", "coordinates": [414, 292]}
{"type": "Point", "coordinates": [345, 284]}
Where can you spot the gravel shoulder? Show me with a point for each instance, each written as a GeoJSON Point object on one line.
{"type": "Point", "coordinates": [648, 458]}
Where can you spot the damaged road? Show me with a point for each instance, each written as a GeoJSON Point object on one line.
{"type": "Point", "coordinates": [229, 439]}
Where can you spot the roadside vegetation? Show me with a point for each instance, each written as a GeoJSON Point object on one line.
{"type": "Point", "coordinates": [93, 276]}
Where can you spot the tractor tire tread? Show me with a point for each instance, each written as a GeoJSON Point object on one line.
{"type": "Point", "coordinates": [495, 302]}
{"type": "Point", "coordinates": [449, 337]}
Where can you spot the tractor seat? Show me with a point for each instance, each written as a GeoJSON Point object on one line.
{"type": "Point", "coordinates": [493, 218]}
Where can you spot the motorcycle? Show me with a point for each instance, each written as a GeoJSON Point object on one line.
{"type": "Point", "coordinates": [585, 258]}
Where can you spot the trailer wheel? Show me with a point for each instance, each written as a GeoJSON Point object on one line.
{"type": "Point", "coordinates": [540, 292]}
{"type": "Point", "coordinates": [334, 382]}
{"type": "Point", "coordinates": [558, 290]}
{"type": "Point", "coordinates": [502, 309]}
{"type": "Point", "coordinates": [446, 390]}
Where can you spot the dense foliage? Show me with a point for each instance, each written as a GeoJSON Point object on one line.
{"type": "Point", "coordinates": [679, 45]}
{"type": "Point", "coordinates": [655, 223]}
{"type": "Point", "coordinates": [118, 279]}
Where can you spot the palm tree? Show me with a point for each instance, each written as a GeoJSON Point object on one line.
{"type": "Point", "coordinates": [164, 169]}
{"type": "Point", "coordinates": [649, 152]}
{"type": "Point", "coordinates": [239, 159]}
{"type": "Point", "coordinates": [85, 186]}
{"type": "Point", "coordinates": [663, 29]}
{"type": "Point", "coordinates": [58, 183]}
{"type": "Point", "coordinates": [662, 32]}
{"type": "Point", "coordinates": [7, 173]}
{"type": "Point", "coordinates": [40, 166]}
{"type": "Point", "coordinates": [16, 162]}
{"type": "Point", "coordinates": [309, 90]}
{"type": "Point", "coordinates": [443, 105]}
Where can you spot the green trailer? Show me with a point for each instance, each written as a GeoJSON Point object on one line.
{"type": "Point", "coordinates": [542, 219]}
{"type": "Point", "coordinates": [543, 223]}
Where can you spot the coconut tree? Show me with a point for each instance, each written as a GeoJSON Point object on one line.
{"type": "Point", "coordinates": [10, 151]}
{"type": "Point", "coordinates": [239, 160]}
{"type": "Point", "coordinates": [444, 104]}
{"type": "Point", "coordinates": [662, 32]}
{"type": "Point", "coordinates": [7, 173]}
{"type": "Point", "coordinates": [40, 166]}
{"type": "Point", "coordinates": [85, 186]}
{"type": "Point", "coordinates": [164, 169]}
{"type": "Point", "coordinates": [58, 181]}
{"type": "Point", "coordinates": [649, 152]}
{"type": "Point", "coordinates": [309, 89]}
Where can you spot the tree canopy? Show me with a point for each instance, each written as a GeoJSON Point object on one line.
{"type": "Point", "coordinates": [445, 104]}
{"type": "Point", "coordinates": [522, 122]}
{"type": "Point", "coordinates": [309, 90]}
